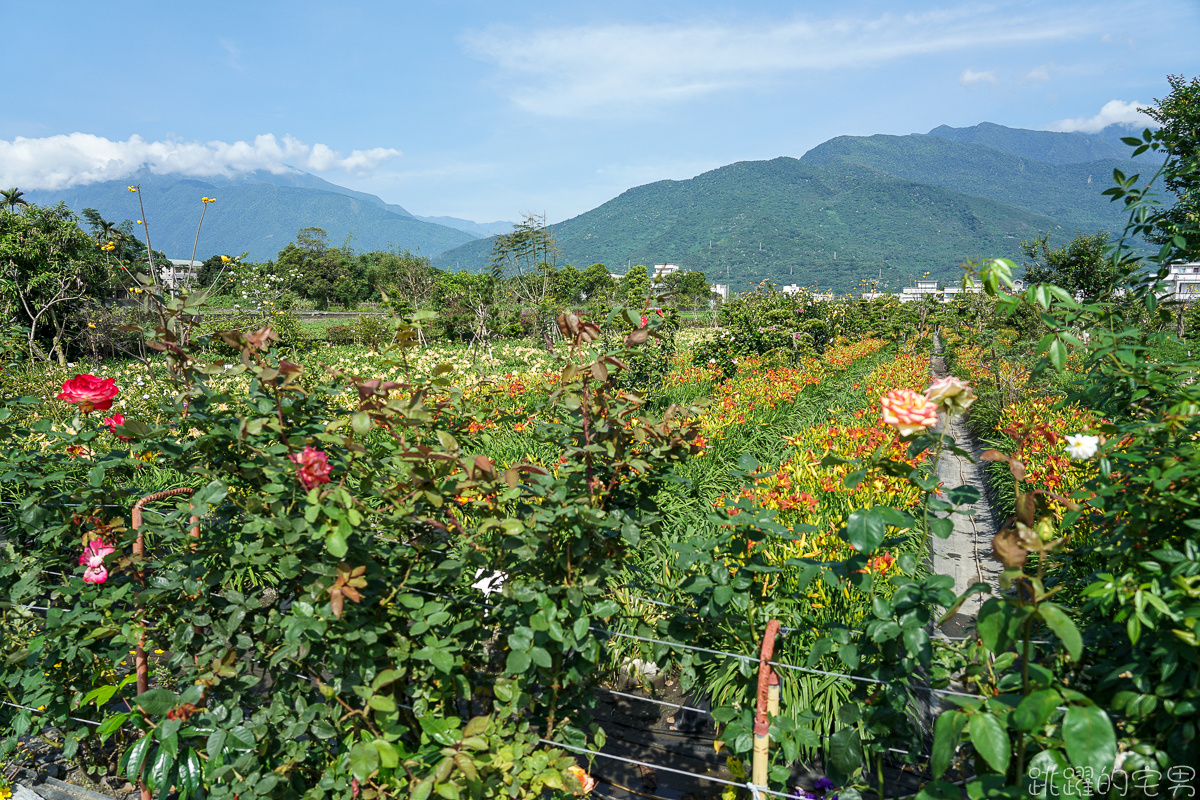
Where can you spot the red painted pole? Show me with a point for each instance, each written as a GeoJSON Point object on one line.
{"type": "Point", "coordinates": [762, 724]}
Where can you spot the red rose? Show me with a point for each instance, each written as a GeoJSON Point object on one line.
{"type": "Point", "coordinates": [112, 422]}
{"type": "Point", "coordinates": [90, 392]}
{"type": "Point", "coordinates": [314, 467]}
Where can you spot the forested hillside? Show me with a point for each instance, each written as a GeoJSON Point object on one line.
{"type": "Point", "coordinates": [790, 222]}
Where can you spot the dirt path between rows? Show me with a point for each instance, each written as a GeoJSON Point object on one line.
{"type": "Point", "coordinates": [967, 553]}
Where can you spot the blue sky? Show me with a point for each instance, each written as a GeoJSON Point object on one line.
{"type": "Point", "coordinates": [487, 110]}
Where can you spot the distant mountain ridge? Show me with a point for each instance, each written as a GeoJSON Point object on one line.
{"type": "Point", "coordinates": [1068, 192]}
{"type": "Point", "coordinates": [1050, 146]}
{"type": "Point", "coordinates": [855, 207]}
{"type": "Point", "coordinates": [256, 213]}
{"type": "Point", "coordinates": [788, 221]}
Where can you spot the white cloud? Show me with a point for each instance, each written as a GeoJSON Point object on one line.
{"type": "Point", "coordinates": [1113, 112]}
{"type": "Point", "coordinates": [58, 162]}
{"type": "Point", "coordinates": [970, 76]}
{"type": "Point", "coordinates": [601, 69]}
{"type": "Point", "coordinates": [1041, 74]}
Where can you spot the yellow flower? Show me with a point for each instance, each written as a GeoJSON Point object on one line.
{"type": "Point", "coordinates": [226, 260]}
{"type": "Point", "coordinates": [139, 291]}
{"type": "Point", "coordinates": [133, 188]}
{"type": "Point", "coordinates": [140, 222]}
{"type": "Point", "coordinates": [91, 324]}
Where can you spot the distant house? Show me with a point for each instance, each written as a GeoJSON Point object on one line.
{"type": "Point", "coordinates": [181, 273]}
{"type": "Point", "coordinates": [660, 271]}
{"type": "Point", "coordinates": [722, 289]}
{"type": "Point", "coordinates": [922, 289]}
{"type": "Point", "coordinates": [955, 288]}
{"type": "Point", "coordinates": [1183, 282]}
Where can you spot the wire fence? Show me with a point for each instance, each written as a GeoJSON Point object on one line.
{"type": "Point", "coordinates": [756, 791]}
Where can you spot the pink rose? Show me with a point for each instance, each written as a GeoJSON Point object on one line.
{"type": "Point", "coordinates": [93, 555]}
{"type": "Point", "coordinates": [89, 392]}
{"type": "Point", "coordinates": [645, 321]}
{"type": "Point", "coordinates": [314, 467]}
{"type": "Point", "coordinates": [908, 411]}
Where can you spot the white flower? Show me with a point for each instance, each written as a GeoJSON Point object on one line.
{"type": "Point", "coordinates": [1080, 446]}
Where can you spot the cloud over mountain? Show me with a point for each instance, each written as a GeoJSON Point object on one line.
{"type": "Point", "coordinates": [1113, 112]}
{"type": "Point", "coordinates": [65, 160]}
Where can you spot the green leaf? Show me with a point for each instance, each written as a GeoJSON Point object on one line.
{"type": "Point", "coordinates": [1058, 354]}
{"type": "Point", "coordinates": [941, 528]}
{"type": "Point", "coordinates": [111, 725]}
{"type": "Point", "coordinates": [1048, 770]}
{"type": "Point", "coordinates": [389, 756]}
{"type": "Point", "coordinates": [442, 659]}
{"type": "Point", "coordinates": [216, 742]}
{"type": "Point", "coordinates": [1091, 742]}
{"type": "Point", "coordinates": [1032, 713]}
{"type": "Point", "coordinates": [990, 740]}
{"type": "Point", "coordinates": [845, 751]}
{"type": "Point", "coordinates": [518, 661]}
{"type": "Point", "coordinates": [160, 769]}
{"type": "Point", "coordinates": [364, 760]}
{"type": "Point", "coordinates": [335, 543]}
{"type": "Point", "coordinates": [190, 773]}
{"type": "Point", "coordinates": [101, 695]}
{"type": "Point", "coordinates": [865, 530]}
{"type": "Point", "coordinates": [137, 757]}
{"type": "Point", "coordinates": [939, 790]}
{"type": "Point", "coordinates": [157, 702]}
{"type": "Point", "coordinates": [381, 702]}
{"type": "Point", "coordinates": [1055, 617]}
{"type": "Point", "coordinates": [422, 790]}
{"type": "Point", "coordinates": [947, 732]}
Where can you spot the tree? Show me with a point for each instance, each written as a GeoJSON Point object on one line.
{"type": "Point", "coordinates": [526, 259]}
{"type": "Point", "coordinates": [635, 286]}
{"type": "Point", "coordinates": [1179, 115]}
{"type": "Point", "coordinates": [1082, 267]}
{"type": "Point", "coordinates": [327, 275]}
{"type": "Point", "coordinates": [568, 286]}
{"type": "Point", "coordinates": [402, 276]}
{"type": "Point", "coordinates": [51, 269]}
{"type": "Point", "coordinates": [688, 289]}
{"type": "Point", "coordinates": [12, 198]}
{"type": "Point", "coordinates": [597, 284]}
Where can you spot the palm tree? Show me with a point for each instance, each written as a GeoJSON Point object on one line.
{"type": "Point", "coordinates": [12, 198]}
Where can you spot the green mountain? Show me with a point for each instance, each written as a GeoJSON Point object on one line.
{"type": "Point", "coordinates": [788, 221]}
{"type": "Point", "coordinates": [1070, 193]}
{"type": "Point", "coordinates": [254, 216]}
{"type": "Point", "coordinates": [1055, 148]}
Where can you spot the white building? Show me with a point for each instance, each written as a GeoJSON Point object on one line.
{"type": "Point", "coordinates": [923, 288]}
{"type": "Point", "coordinates": [721, 289]}
{"type": "Point", "coordinates": [181, 273]}
{"type": "Point", "coordinates": [955, 288]}
{"type": "Point", "coordinates": [1183, 284]}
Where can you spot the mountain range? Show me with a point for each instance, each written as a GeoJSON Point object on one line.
{"type": "Point", "coordinates": [260, 212]}
{"type": "Point", "coordinates": [854, 208]}
{"type": "Point", "coordinates": [883, 208]}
